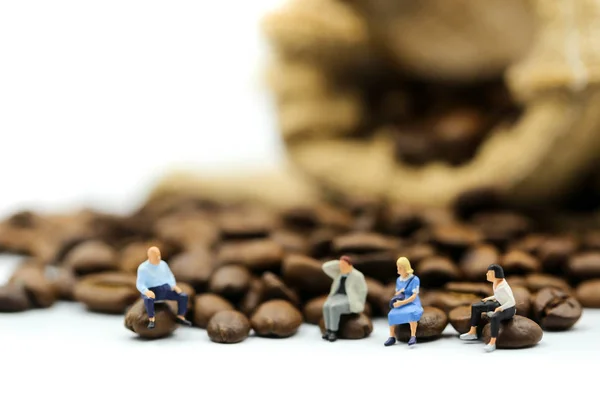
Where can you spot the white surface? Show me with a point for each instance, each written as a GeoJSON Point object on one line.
{"type": "Point", "coordinates": [98, 99]}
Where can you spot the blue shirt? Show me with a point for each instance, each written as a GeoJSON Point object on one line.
{"type": "Point", "coordinates": [151, 275]}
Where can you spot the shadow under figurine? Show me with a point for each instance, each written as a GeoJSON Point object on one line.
{"type": "Point", "coordinates": [499, 307]}
{"type": "Point", "coordinates": [348, 294]}
{"type": "Point", "coordinates": [156, 282]}
{"type": "Point", "coordinates": [405, 306]}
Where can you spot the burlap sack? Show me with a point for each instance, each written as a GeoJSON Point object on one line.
{"type": "Point", "coordinates": [548, 51]}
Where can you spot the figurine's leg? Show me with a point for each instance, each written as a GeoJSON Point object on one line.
{"type": "Point", "coordinates": [149, 304]}
{"type": "Point", "coordinates": [495, 321]}
{"type": "Point", "coordinates": [339, 308]}
{"type": "Point", "coordinates": [413, 333]}
{"type": "Point", "coordinates": [476, 310]}
{"type": "Point", "coordinates": [182, 303]}
{"type": "Point", "coordinates": [327, 318]}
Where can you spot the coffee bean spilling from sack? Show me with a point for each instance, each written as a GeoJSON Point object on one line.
{"type": "Point", "coordinates": [246, 268]}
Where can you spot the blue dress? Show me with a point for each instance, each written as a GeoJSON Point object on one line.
{"type": "Point", "coordinates": [410, 312]}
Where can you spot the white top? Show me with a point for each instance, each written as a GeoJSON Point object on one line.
{"type": "Point", "coordinates": [503, 294]}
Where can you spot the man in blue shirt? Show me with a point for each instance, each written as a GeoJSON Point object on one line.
{"type": "Point", "coordinates": [156, 282]}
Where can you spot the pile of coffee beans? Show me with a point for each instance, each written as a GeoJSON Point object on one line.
{"type": "Point", "coordinates": [247, 268]}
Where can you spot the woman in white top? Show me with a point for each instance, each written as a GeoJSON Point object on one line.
{"type": "Point", "coordinates": [501, 307]}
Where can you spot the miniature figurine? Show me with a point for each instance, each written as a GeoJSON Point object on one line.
{"type": "Point", "coordinates": [499, 307]}
{"type": "Point", "coordinates": [405, 305]}
{"type": "Point", "coordinates": [348, 294]}
{"type": "Point", "coordinates": [156, 282]}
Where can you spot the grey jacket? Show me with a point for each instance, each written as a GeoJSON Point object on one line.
{"type": "Point", "coordinates": [356, 286]}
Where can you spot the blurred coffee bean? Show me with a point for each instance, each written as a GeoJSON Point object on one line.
{"type": "Point", "coordinates": [375, 292]}
{"type": "Point", "coordinates": [63, 281]}
{"type": "Point", "coordinates": [430, 327]}
{"type": "Point", "coordinates": [228, 326]}
{"type": "Point", "coordinates": [437, 216]}
{"type": "Point", "coordinates": [475, 201]}
{"type": "Point", "coordinates": [437, 271]}
{"type": "Point", "coordinates": [334, 218]}
{"type": "Point", "coordinates": [517, 280]}
{"type": "Point", "coordinates": [291, 242]}
{"type": "Point", "coordinates": [379, 265]}
{"type": "Point", "coordinates": [19, 232]}
{"type": "Point", "coordinates": [320, 242]}
{"type": "Point", "coordinates": [530, 243]}
{"type": "Point", "coordinates": [588, 293]}
{"type": "Point", "coordinates": [91, 257]}
{"type": "Point", "coordinates": [402, 220]}
{"type": "Point", "coordinates": [500, 227]}
{"type": "Point", "coordinates": [313, 310]}
{"type": "Point", "coordinates": [414, 146]}
{"type": "Point", "coordinates": [274, 288]}
{"type": "Point", "coordinates": [418, 252]}
{"type": "Point", "coordinates": [366, 212]}
{"type": "Point", "coordinates": [276, 318]}
{"type": "Point", "coordinates": [230, 281]}
{"type": "Point", "coordinates": [305, 274]}
{"type": "Point", "coordinates": [257, 254]}
{"type": "Point", "coordinates": [136, 320]}
{"type": "Point", "coordinates": [457, 134]}
{"type": "Point", "coordinates": [309, 218]}
{"type": "Point", "coordinates": [107, 292]}
{"type": "Point", "coordinates": [245, 224]}
{"type": "Point", "coordinates": [536, 282]}
{"type": "Point", "coordinates": [364, 242]}
{"type": "Point", "coordinates": [519, 262]}
{"type": "Point", "coordinates": [13, 298]}
{"type": "Point", "coordinates": [516, 333]}
{"type": "Point", "coordinates": [187, 230]}
{"type": "Point", "coordinates": [556, 310]}
{"type": "Point", "coordinates": [475, 262]}
{"type": "Point", "coordinates": [554, 253]}
{"type": "Point", "coordinates": [522, 299]}
{"type": "Point", "coordinates": [447, 301]}
{"type": "Point", "coordinates": [478, 289]}
{"type": "Point", "coordinates": [253, 298]}
{"type": "Point", "coordinates": [585, 265]}
{"type": "Point", "coordinates": [454, 239]}
{"type": "Point", "coordinates": [206, 305]}
{"type": "Point", "coordinates": [352, 326]}
{"type": "Point", "coordinates": [460, 319]}
{"type": "Point", "coordinates": [194, 267]}
{"type": "Point", "coordinates": [32, 277]}
{"type": "Point", "coordinates": [591, 240]}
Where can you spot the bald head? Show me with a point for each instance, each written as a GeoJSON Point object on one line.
{"type": "Point", "coordinates": [154, 255]}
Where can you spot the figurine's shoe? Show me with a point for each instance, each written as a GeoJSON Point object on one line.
{"type": "Point", "coordinates": [489, 347]}
{"type": "Point", "coordinates": [183, 322]}
{"type": "Point", "coordinates": [326, 334]}
{"type": "Point", "coordinates": [412, 341]}
{"type": "Point", "coordinates": [332, 337]}
{"type": "Point", "coordinates": [151, 325]}
{"type": "Point", "coordinates": [468, 336]}
{"type": "Point", "coordinates": [390, 341]}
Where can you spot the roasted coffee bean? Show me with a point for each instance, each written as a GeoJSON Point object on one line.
{"type": "Point", "coordinates": [291, 242]}
{"type": "Point", "coordinates": [228, 326]}
{"type": "Point", "coordinates": [194, 267]}
{"type": "Point", "coordinates": [516, 333]}
{"type": "Point", "coordinates": [13, 298]}
{"type": "Point", "coordinates": [253, 298]}
{"type": "Point", "coordinates": [500, 227]}
{"type": "Point", "coordinates": [555, 252]}
{"type": "Point", "coordinates": [39, 288]}
{"type": "Point", "coordinates": [375, 292]}
{"type": "Point", "coordinates": [430, 327]}
{"type": "Point", "coordinates": [257, 254]}
{"type": "Point", "coordinates": [478, 289]}
{"type": "Point", "coordinates": [474, 201]}
{"type": "Point", "coordinates": [334, 218]}
{"type": "Point", "coordinates": [309, 218]}
{"type": "Point", "coordinates": [457, 133]}
{"type": "Point", "coordinates": [320, 242]}
{"type": "Point", "coordinates": [246, 224]}
{"type": "Point", "coordinates": [475, 262]}
{"type": "Point", "coordinates": [535, 282]}
{"type": "Point", "coordinates": [187, 230]}
{"type": "Point", "coordinates": [364, 242]}
{"type": "Point", "coordinates": [91, 257]}
{"type": "Point", "coordinates": [305, 274]}
{"type": "Point", "coordinates": [107, 292]}
{"type": "Point", "coordinates": [230, 281]}
{"type": "Point", "coordinates": [591, 241]}
{"type": "Point", "coordinates": [556, 310]}
{"type": "Point", "coordinates": [437, 271]}
{"type": "Point", "coordinates": [517, 280]}
{"type": "Point", "coordinates": [402, 220]}
{"type": "Point", "coordinates": [18, 234]}
{"type": "Point", "coordinates": [522, 299]}
{"type": "Point", "coordinates": [274, 288]}
{"type": "Point", "coordinates": [313, 310]}
{"type": "Point", "coordinates": [419, 252]}
{"type": "Point", "coordinates": [63, 281]}
{"type": "Point", "coordinates": [460, 319]}
{"type": "Point", "coordinates": [455, 238]}
{"type": "Point", "coordinates": [380, 265]}
{"type": "Point", "coordinates": [585, 265]}
{"type": "Point", "coordinates": [276, 318]}
{"type": "Point", "coordinates": [352, 326]}
{"type": "Point", "coordinates": [136, 320]}
{"type": "Point", "coordinates": [588, 293]}
{"type": "Point", "coordinates": [206, 305]}
{"type": "Point", "coordinates": [414, 147]}
{"type": "Point", "coordinates": [519, 262]}
{"type": "Point", "coordinates": [447, 301]}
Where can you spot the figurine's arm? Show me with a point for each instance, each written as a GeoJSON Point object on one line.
{"type": "Point", "coordinates": [511, 300]}
{"type": "Point", "coordinates": [170, 277]}
{"type": "Point", "coordinates": [140, 284]}
{"type": "Point", "coordinates": [332, 268]}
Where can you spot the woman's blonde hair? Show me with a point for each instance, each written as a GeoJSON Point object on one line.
{"type": "Point", "coordinates": [403, 261]}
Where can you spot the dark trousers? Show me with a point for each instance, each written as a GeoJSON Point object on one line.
{"type": "Point", "coordinates": [164, 292]}
{"type": "Point", "coordinates": [481, 307]}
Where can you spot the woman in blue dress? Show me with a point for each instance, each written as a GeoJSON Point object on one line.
{"type": "Point", "coordinates": [409, 310]}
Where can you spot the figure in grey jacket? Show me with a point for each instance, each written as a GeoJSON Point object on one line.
{"type": "Point", "coordinates": [347, 296]}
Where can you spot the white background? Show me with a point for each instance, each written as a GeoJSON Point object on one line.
{"type": "Point", "coordinates": [97, 100]}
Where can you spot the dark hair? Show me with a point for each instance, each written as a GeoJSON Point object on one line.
{"type": "Point", "coordinates": [498, 271]}
{"type": "Point", "coordinates": [347, 259]}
